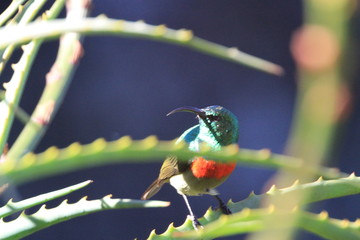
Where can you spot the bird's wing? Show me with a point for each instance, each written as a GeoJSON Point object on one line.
{"type": "Point", "coordinates": [169, 168]}
{"type": "Point", "coordinates": [171, 165]}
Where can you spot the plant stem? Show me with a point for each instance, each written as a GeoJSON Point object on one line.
{"type": "Point", "coordinates": [24, 16]}
{"type": "Point", "coordinates": [15, 86]}
{"type": "Point", "coordinates": [57, 82]}
{"type": "Point", "coordinates": [10, 11]}
{"type": "Point", "coordinates": [317, 48]}
{"type": "Point", "coordinates": [14, 90]}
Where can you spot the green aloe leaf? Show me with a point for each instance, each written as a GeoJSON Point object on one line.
{"type": "Point", "coordinates": [247, 217]}
{"type": "Point", "coordinates": [103, 25]}
{"type": "Point", "coordinates": [255, 220]}
{"type": "Point", "coordinates": [25, 225]}
{"type": "Point", "coordinates": [54, 161]}
{"type": "Point", "coordinates": [13, 207]}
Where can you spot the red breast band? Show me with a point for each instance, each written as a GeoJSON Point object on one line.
{"type": "Point", "coordinates": [202, 168]}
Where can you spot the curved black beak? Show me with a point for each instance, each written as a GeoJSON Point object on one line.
{"type": "Point", "coordinates": [195, 110]}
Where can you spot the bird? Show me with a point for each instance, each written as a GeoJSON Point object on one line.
{"type": "Point", "coordinates": [218, 127]}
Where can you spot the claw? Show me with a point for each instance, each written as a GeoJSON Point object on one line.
{"type": "Point", "coordinates": [225, 210]}
{"type": "Point", "coordinates": [195, 222]}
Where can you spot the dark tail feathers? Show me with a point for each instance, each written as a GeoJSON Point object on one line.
{"type": "Point", "coordinates": [152, 189]}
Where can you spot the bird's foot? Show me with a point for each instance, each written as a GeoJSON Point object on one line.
{"type": "Point", "coordinates": [195, 222]}
{"type": "Point", "coordinates": [225, 210]}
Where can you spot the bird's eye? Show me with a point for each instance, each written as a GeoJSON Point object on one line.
{"type": "Point", "coordinates": [213, 118]}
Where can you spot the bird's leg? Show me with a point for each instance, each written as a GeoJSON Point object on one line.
{"type": "Point", "coordinates": [193, 218]}
{"type": "Point", "coordinates": [222, 206]}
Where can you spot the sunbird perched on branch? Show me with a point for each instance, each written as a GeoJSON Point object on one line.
{"type": "Point", "coordinates": [217, 127]}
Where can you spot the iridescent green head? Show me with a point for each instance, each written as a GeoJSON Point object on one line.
{"type": "Point", "coordinates": [216, 123]}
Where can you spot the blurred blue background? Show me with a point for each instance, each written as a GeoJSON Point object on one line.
{"type": "Point", "coordinates": [126, 86]}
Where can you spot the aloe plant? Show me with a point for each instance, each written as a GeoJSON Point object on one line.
{"type": "Point", "coordinates": [26, 224]}
{"type": "Point", "coordinates": [276, 214]}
